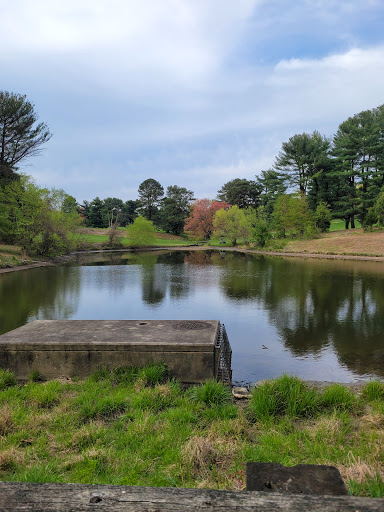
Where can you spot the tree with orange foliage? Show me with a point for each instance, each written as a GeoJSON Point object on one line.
{"type": "Point", "coordinates": [200, 221]}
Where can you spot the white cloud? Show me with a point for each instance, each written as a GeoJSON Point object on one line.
{"type": "Point", "coordinates": [190, 92]}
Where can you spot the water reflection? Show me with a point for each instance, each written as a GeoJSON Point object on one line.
{"type": "Point", "coordinates": [314, 304]}
{"type": "Point", "coordinates": [318, 318]}
{"type": "Point", "coordinates": [42, 293]}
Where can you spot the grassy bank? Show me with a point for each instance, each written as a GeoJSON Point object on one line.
{"type": "Point", "coordinates": [100, 236]}
{"type": "Point", "coordinates": [137, 427]}
{"type": "Point", "coordinates": [10, 256]}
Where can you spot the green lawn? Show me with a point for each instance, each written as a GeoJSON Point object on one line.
{"type": "Point", "coordinates": [339, 224]}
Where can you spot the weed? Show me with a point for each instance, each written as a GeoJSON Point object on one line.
{"type": "Point", "coordinates": [211, 393]}
{"type": "Point", "coordinates": [373, 390]}
{"type": "Point", "coordinates": [35, 376]}
{"type": "Point", "coordinates": [7, 379]}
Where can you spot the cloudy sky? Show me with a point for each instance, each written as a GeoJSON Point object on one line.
{"type": "Point", "coordinates": [188, 92]}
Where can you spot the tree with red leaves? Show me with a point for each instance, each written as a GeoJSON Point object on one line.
{"type": "Point", "coordinates": [200, 221]}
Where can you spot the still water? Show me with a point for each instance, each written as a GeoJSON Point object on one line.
{"type": "Point", "coordinates": [318, 319]}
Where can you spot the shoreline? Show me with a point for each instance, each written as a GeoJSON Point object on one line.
{"type": "Point", "coordinates": [352, 257]}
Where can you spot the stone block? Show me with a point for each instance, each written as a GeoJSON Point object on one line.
{"type": "Point", "coordinates": [70, 348]}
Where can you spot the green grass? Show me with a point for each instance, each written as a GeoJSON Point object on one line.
{"type": "Point", "coordinates": [211, 393]}
{"type": "Point", "coordinates": [374, 390]}
{"type": "Point", "coordinates": [285, 396]}
{"type": "Point", "coordinates": [137, 426]}
{"type": "Point", "coordinates": [10, 256]}
{"type": "Point", "coordinates": [7, 379]}
{"type": "Point", "coordinates": [339, 225]}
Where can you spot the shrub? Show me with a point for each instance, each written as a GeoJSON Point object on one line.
{"type": "Point", "coordinates": [323, 217]}
{"type": "Point", "coordinates": [141, 232]}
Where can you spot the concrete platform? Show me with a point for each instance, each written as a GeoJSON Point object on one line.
{"type": "Point", "coordinates": [56, 348]}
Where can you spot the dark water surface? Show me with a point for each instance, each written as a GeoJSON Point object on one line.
{"type": "Point", "coordinates": [319, 319]}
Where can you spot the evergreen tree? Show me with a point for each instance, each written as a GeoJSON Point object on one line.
{"type": "Point", "coordinates": [302, 158]}
{"type": "Point", "coordinates": [175, 209]}
{"type": "Point", "coordinates": [150, 192]}
{"type": "Point", "coordinates": [20, 134]}
{"type": "Point", "coordinates": [273, 184]}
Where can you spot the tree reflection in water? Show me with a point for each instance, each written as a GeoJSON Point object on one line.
{"type": "Point", "coordinates": [304, 308]}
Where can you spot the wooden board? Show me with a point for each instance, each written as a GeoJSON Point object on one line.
{"type": "Point", "coordinates": [27, 497]}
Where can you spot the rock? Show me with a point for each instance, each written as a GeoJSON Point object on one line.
{"type": "Point", "coordinates": [239, 392]}
{"type": "Point", "coordinates": [300, 479]}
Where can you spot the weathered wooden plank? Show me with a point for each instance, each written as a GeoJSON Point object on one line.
{"type": "Point", "coordinates": [28, 497]}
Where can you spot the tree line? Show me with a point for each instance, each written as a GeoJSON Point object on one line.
{"type": "Point", "coordinates": [313, 179]}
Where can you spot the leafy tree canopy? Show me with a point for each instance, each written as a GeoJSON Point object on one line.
{"type": "Point", "coordinates": [20, 134]}
{"type": "Point", "coordinates": [240, 192]}
{"type": "Point", "coordinates": [232, 223]}
{"type": "Point", "coordinates": [200, 220]}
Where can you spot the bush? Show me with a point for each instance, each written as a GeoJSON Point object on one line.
{"type": "Point", "coordinates": [370, 219]}
{"type": "Point", "coordinates": [141, 233]}
{"type": "Point", "coordinates": [323, 217]}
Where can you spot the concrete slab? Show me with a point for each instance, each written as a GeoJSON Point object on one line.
{"type": "Point", "coordinates": [78, 347]}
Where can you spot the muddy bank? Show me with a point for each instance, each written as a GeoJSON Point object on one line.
{"type": "Point", "coordinates": [27, 266]}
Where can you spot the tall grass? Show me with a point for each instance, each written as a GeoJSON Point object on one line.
{"type": "Point", "coordinates": [7, 379]}
{"type": "Point", "coordinates": [284, 396]}
{"type": "Point", "coordinates": [211, 393]}
{"type": "Point", "coordinates": [373, 390]}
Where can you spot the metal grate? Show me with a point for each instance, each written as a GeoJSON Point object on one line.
{"type": "Point", "coordinates": [223, 356]}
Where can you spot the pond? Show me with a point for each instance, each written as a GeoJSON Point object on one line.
{"type": "Point", "coordinates": [318, 319]}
